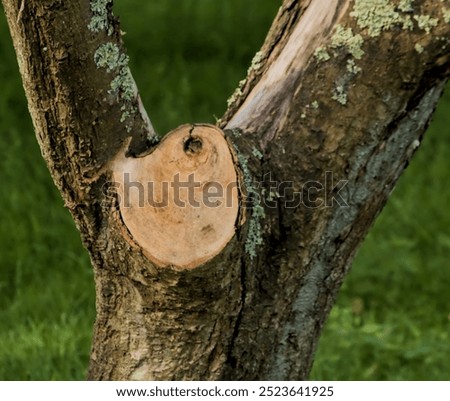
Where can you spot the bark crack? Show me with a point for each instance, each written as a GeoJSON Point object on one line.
{"type": "Point", "coordinates": [231, 359]}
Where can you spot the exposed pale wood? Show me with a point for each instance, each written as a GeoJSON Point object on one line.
{"type": "Point", "coordinates": [180, 202]}
{"type": "Point", "coordinates": [317, 19]}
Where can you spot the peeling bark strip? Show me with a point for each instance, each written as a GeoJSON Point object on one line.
{"type": "Point", "coordinates": [188, 293]}
{"type": "Point", "coordinates": [188, 186]}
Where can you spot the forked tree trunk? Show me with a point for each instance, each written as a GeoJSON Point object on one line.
{"type": "Point", "coordinates": [335, 104]}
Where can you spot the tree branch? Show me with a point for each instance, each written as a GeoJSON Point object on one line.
{"type": "Point", "coordinates": [336, 113]}
{"type": "Point", "coordinates": [86, 103]}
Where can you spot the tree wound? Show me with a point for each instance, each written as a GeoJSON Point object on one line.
{"type": "Point", "coordinates": [192, 145]}
{"type": "Point", "coordinates": [180, 202]}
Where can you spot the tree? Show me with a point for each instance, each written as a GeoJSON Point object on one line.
{"type": "Point", "coordinates": [334, 106]}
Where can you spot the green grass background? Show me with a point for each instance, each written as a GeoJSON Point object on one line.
{"type": "Point", "coordinates": [392, 318]}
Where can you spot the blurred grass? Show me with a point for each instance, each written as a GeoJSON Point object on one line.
{"type": "Point", "coordinates": [392, 317]}
{"type": "Point", "coordinates": [46, 284]}
{"type": "Point", "coordinates": [188, 56]}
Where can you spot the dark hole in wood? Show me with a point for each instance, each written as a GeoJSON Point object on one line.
{"type": "Point", "coordinates": [193, 145]}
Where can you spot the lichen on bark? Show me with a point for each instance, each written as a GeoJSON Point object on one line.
{"type": "Point", "coordinates": [110, 57]}
{"type": "Point", "coordinates": [99, 20]}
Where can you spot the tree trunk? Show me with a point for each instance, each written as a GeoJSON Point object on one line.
{"type": "Point", "coordinates": [314, 140]}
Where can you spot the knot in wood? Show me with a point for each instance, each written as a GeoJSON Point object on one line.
{"type": "Point", "coordinates": [193, 145]}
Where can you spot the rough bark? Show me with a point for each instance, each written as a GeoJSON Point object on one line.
{"type": "Point", "coordinates": [340, 87]}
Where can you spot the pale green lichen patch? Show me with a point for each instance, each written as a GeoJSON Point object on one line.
{"type": "Point", "coordinates": [408, 23]}
{"type": "Point", "coordinates": [340, 95]}
{"type": "Point", "coordinates": [377, 16]}
{"type": "Point", "coordinates": [309, 108]}
{"type": "Point", "coordinates": [321, 54]}
{"type": "Point", "coordinates": [255, 65]}
{"type": "Point", "coordinates": [123, 84]}
{"type": "Point", "coordinates": [254, 236]}
{"type": "Point", "coordinates": [406, 6]}
{"type": "Point", "coordinates": [419, 48]}
{"type": "Point", "coordinates": [237, 93]}
{"type": "Point", "coordinates": [125, 114]}
{"type": "Point", "coordinates": [257, 62]}
{"type": "Point", "coordinates": [99, 20]}
{"type": "Point", "coordinates": [345, 38]}
{"type": "Point", "coordinates": [446, 13]}
{"type": "Point", "coordinates": [257, 153]}
{"type": "Point", "coordinates": [237, 134]}
{"type": "Point", "coordinates": [352, 67]}
{"type": "Point", "coordinates": [426, 22]}
{"type": "Point", "coordinates": [109, 56]}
